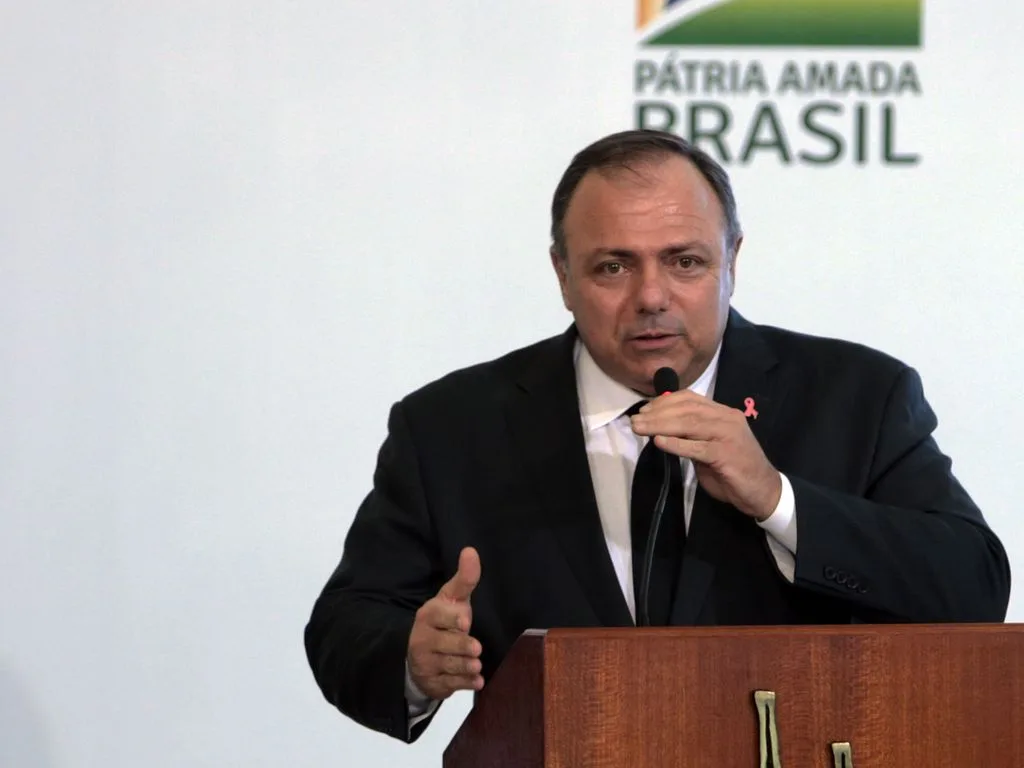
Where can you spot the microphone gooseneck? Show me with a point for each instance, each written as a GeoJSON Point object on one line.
{"type": "Point", "coordinates": [665, 380]}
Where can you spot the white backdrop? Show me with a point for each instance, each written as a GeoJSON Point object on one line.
{"type": "Point", "coordinates": [232, 233]}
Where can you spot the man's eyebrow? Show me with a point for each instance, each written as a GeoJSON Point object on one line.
{"type": "Point", "coordinates": [622, 253]}
{"type": "Point", "coordinates": [690, 245]}
{"type": "Point", "coordinates": [668, 250]}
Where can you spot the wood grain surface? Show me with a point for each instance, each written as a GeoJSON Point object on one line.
{"type": "Point", "coordinates": [923, 696]}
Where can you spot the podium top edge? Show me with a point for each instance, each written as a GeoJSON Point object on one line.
{"type": "Point", "coordinates": [801, 630]}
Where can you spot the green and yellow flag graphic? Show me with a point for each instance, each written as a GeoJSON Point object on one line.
{"type": "Point", "coordinates": [860, 23]}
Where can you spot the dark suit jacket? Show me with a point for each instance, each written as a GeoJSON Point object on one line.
{"type": "Point", "coordinates": [493, 457]}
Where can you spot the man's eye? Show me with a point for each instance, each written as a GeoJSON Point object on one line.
{"type": "Point", "coordinates": [612, 268]}
{"type": "Point", "coordinates": [687, 262]}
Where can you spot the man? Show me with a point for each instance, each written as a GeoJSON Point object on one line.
{"type": "Point", "coordinates": [805, 484]}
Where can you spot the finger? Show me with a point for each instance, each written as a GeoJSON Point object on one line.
{"type": "Point", "coordinates": [673, 398]}
{"type": "Point", "coordinates": [460, 587]}
{"type": "Point", "coordinates": [700, 451]}
{"type": "Point", "coordinates": [429, 665]}
{"type": "Point", "coordinates": [684, 423]}
{"type": "Point", "coordinates": [457, 644]}
{"type": "Point", "coordinates": [453, 683]}
{"type": "Point", "coordinates": [688, 402]}
{"type": "Point", "coordinates": [693, 414]}
{"type": "Point", "coordinates": [457, 665]}
{"type": "Point", "coordinates": [445, 615]}
{"type": "Point", "coordinates": [695, 406]}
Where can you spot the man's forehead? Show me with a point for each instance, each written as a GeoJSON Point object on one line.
{"type": "Point", "coordinates": [665, 178]}
{"type": "Point", "coordinates": [667, 191]}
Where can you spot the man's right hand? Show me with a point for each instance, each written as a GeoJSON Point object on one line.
{"type": "Point", "coordinates": [442, 656]}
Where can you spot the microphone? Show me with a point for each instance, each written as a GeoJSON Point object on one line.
{"type": "Point", "coordinates": [665, 380]}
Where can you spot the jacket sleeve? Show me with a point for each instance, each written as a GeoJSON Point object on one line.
{"type": "Point", "coordinates": [914, 547]}
{"type": "Point", "coordinates": [357, 636]}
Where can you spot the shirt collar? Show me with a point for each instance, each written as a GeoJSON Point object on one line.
{"type": "Point", "coordinates": [603, 399]}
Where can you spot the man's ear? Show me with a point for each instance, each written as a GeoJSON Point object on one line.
{"type": "Point", "coordinates": [732, 265]}
{"type": "Point", "coordinates": [561, 266]}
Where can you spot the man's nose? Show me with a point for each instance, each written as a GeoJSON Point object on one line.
{"type": "Point", "coordinates": [652, 294]}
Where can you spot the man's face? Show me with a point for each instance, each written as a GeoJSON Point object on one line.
{"type": "Point", "coordinates": [647, 275]}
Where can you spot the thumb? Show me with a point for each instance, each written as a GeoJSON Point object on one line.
{"type": "Point", "coordinates": [461, 585]}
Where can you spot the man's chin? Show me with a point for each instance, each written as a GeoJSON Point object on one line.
{"type": "Point", "coordinates": [653, 345]}
{"type": "Point", "coordinates": [642, 376]}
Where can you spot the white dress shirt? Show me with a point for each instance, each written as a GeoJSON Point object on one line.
{"type": "Point", "coordinates": [612, 452]}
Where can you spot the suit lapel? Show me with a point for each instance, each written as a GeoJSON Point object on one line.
{"type": "Point", "coordinates": [746, 372]}
{"type": "Point", "coordinates": [748, 380]}
{"type": "Point", "coordinates": [544, 420]}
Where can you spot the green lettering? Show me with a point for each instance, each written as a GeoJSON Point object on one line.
{"type": "Point", "coordinates": [645, 110]}
{"type": "Point", "coordinates": [776, 139]}
{"type": "Point", "coordinates": [833, 138]}
{"type": "Point", "coordinates": [889, 140]}
{"type": "Point", "coordinates": [714, 134]}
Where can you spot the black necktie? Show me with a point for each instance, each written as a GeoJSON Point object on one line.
{"type": "Point", "coordinates": [668, 550]}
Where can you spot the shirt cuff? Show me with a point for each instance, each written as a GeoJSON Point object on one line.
{"type": "Point", "coordinates": [780, 527]}
{"type": "Point", "coordinates": [781, 524]}
{"type": "Point", "coordinates": [418, 704]}
{"type": "Point", "coordinates": [416, 699]}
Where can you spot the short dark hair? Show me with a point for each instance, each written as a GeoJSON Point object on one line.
{"type": "Point", "coordinates": [622, 150]}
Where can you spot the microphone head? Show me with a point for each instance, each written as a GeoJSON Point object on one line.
{"type": "Point", "coordinates": [665, 380]}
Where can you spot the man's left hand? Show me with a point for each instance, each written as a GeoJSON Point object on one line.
{"type": "Point", "coordinates": [727, 458]}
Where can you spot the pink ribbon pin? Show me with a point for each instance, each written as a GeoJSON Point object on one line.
{"type": "Point", "coordinates": [749, 402]}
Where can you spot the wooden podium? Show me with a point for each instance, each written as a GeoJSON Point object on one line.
{"type": "Point", "coordinates": [861, 696]}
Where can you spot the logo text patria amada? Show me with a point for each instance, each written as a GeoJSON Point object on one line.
{"type": "Point", "coordinates": [810, 110]}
